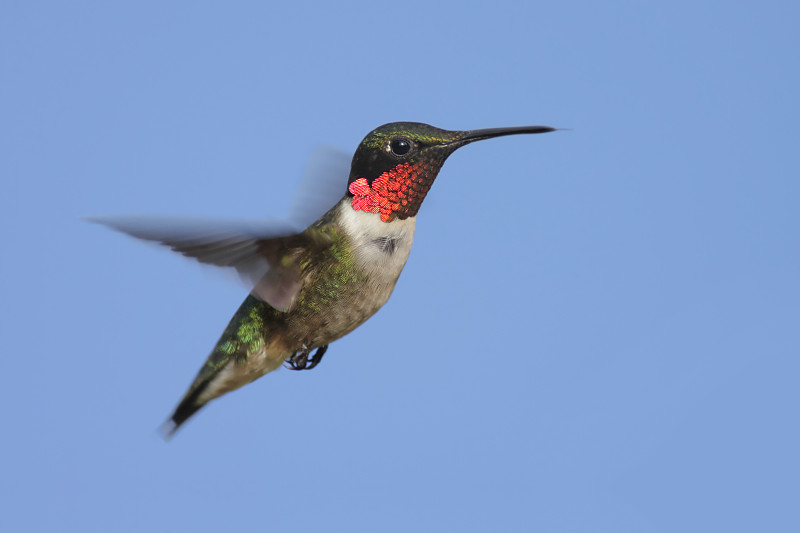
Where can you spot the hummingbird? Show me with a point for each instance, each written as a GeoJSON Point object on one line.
{"type": "Point", "coordinates": [312, 287]}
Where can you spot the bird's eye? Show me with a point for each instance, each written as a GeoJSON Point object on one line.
{"type": "Point", "coordinates": [400, 146]}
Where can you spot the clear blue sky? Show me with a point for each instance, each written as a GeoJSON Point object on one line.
{"type": "Point", "coordinates": [597, 330]}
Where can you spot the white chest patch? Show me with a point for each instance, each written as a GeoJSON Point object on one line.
{"type": "Point", "coordinates": [381, 248]}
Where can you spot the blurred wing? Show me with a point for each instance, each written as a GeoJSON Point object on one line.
{"type": "Point", "coordinates": [323, 185]}
{"type": "Point", "coordinates": [265, 255]}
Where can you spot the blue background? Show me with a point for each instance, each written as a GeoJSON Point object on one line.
{"type": "Point", "coordinates": [598, 329]}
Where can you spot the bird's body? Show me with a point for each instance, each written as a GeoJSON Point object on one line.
{"type": "Point", "coordinates": [349, 276]}
{"type": "Point", "coordinates": [314, 287]}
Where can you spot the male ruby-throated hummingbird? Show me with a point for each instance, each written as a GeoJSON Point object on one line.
{"type": "Point", "coordinates": [313, 287]}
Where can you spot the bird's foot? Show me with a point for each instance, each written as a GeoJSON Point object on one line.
{"type": "Point", "coordinates": [300, 360]}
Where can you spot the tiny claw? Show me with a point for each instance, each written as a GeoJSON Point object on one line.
{"type": "Point", "coordinates": [317, 356]}
{"type": "Point", "coordinates": [300, 360]}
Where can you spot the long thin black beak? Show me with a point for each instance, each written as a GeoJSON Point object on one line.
{"type": "Point", "coordinates": [478, 135]}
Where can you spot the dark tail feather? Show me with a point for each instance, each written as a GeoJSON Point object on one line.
{"type": "Point", "coordinates": [185, 410]}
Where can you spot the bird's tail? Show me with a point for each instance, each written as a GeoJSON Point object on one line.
{"type": "Point", "coordinates": [188, 406]}
{"type": "Point", "coordinates": [243, 354]}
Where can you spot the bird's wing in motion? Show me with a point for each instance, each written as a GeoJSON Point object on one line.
{"type": "Point", "coordinates": [321, 186]}
{"type": "Point", "coordinates": [266, 257]}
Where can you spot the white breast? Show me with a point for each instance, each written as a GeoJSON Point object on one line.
{"type": "Point", "coordinates": [381, 248]}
